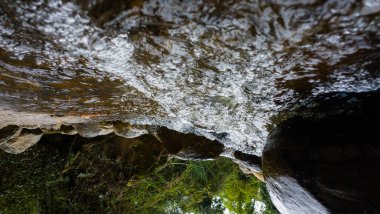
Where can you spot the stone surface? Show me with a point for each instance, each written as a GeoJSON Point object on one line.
{"type": "Point", "coordinates": [21, 140]}
{"type": "Point", "coordinates": [249, 164]}
{"type": "Point", "coordinates": [326, 159]}
{"type": "Point", "coordinates": [189, 146]}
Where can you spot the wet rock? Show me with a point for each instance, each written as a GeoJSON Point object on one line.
{"type": "Point", "coordinates": [258, 174]}
{"type": "Point", "coordinates": [249, 164]}
{"type": "Point", "coordinates": [189, 146]}
{"type": "Point", "coordinates": [126, 130]}
{"type": "Point", "coordinates": [67, 130]}
{"type": "Point", "coordinates": [30, 119]}
{"type": "Point", "coordinates": [326, 158]}
{"type": "Point", "coordinates": [16, 140]}
{"type": "Point", "coordinates": [138, 143]}
{"type": "Point", "coordinates": [90, 130]}
{"type": "Point", "coordinates": [186, 146]}
{"type": "Point", "coordinates": [104, 11]}
{"type": "Point", "coordinates": [9, 132]}
{"type": "Point", "coordinates": [250, 161]}
{"type": "Point", "coordinates": [50, 129]}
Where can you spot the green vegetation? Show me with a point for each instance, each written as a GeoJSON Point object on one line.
{"type": "Point", "coordinates": [196, 187]}
{"type": "Point", "coordinates": [81, 177]}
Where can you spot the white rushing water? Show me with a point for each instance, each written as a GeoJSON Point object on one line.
{"type": "Point", "coordinates": [217, 69]}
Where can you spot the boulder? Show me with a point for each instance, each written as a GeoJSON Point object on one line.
{"type": "Point", "coordinates": [326, 159]}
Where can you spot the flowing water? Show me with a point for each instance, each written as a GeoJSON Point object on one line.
{"type": "Point", "coordinates": [221, 69]}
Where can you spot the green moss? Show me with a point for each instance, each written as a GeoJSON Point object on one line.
{"type": "Point", "coordinates": [74, 175]}
{"type": "Point", "coordinates": [196, 187]}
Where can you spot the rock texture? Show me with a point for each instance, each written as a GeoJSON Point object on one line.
{"type": "Point", "coordinates": [15, 140]}
{"type": "Point", "coordinates": [22, 130]}
{"type": "Point", "coordinates": [326, 159]}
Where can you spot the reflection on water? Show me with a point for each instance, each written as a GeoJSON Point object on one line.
{"type": "Point", "coordinates": [204, 66]}
{"type": "Point", "coordinates": [116, 175]}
